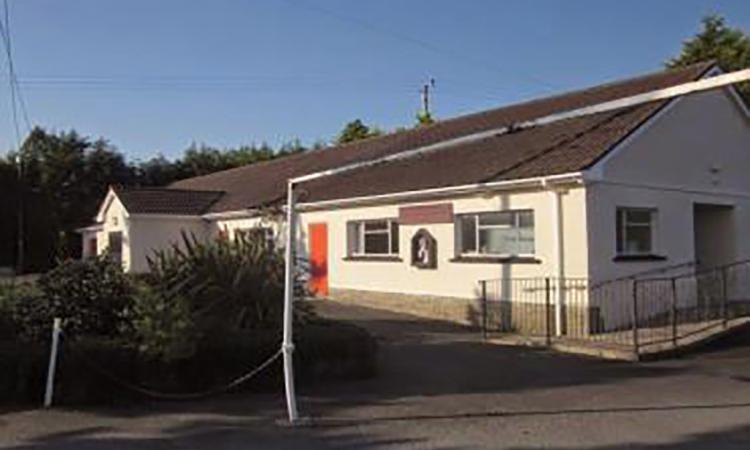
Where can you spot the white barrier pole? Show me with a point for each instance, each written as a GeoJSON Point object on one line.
{"type": "Point", "coordinates": [287, 345]}
{"type": "Point", "coordinates": [49, 392]}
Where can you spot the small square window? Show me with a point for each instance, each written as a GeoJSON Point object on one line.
{"type": "Point", "coordinates": [635, 231]}
{"type": "Point", "coordinates": [373, 237]}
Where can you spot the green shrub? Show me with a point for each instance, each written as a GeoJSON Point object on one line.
{"type": "Point", "coordinates": [92, 296]}
{"type": "Point", "coordinates": [199, 289]}
{"type": "Point", "coordinates": [7, 302]}
{"type": "Point", "coordinates": [207, 313]}
{"type": "Point", "coordinates": [325, 352]}
{"type": "Point", "coordinates": [23, 370]}
{"type": "Point", "coordinates": [11, 296]}
{"type": "Point", "coordinates": [163, 324]}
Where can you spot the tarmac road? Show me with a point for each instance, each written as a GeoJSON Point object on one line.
{"type": "Point", "coordinates": [440, 387]}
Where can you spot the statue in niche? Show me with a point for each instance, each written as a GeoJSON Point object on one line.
{"type": "Point", "coordinates": [423, 250]}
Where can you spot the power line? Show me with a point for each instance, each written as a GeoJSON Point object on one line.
{"type": "Point", "coordinates": [16, 98]}
{"type": "Point", "coordinates": [266, 83]}
{"type": "Point", "coordinates": [11, 84]}
{"type": "Point", "coordinates": [239, 82]}
{"type": "Point", "coordinates": [269, 84]}
{"type": "Point", "coordinates": [415, 41]}
{"type": "Point", "coordinates": [15, 89]}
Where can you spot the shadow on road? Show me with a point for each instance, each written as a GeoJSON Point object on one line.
{"type": "Point", "coordinates": [206, 434]}
{"type": "Point", "coordinates": [736, 438]}
{"type": "Point", "coordinates": [344, 422]}
{"type": "Point", "coordinates": [428, 358]}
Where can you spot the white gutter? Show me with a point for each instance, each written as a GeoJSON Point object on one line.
{"type": "Point", "coordinates": [572, 177]}
{"type": "Point", "coordinates": [236, 214]}
{"type": "Point", "coordinates": [162, 216]}
{"type": "Point", "coordinates": [661, 94]}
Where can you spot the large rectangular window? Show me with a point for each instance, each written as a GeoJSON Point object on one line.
{"type": "Point", "coordinates": [501, 233]}
{"type": "Point", "coordinates": [373, 237]}
{"type": "Point", "coordinates": [635, 231]}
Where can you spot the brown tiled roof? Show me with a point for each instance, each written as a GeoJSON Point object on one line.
{"type": "Point", "coordinates": [166, 201]}
{"type": "Point", "coordinates": [571, 145]}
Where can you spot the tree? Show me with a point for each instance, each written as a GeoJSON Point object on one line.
{"type": "Point", "coordinates": [729, 47]}
{"type": "Point", "coordinates": [9, 205]}
{"type": "Point", "coordinates": [157, 171]}
{"type": "Point", "coordinates": [203, 159]}
{"type": "Point", "coordinates": [356, 130]}
{"type": "Point", "coordinates": [66, 175]}
{"type": "Point", "coordinates": [424, 118]}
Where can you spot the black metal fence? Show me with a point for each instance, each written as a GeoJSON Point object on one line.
{"type": "Point", "coordinates": [638, 312]}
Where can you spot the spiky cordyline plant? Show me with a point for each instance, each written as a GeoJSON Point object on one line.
{"type": "Point", "coordinates": [228, 284]}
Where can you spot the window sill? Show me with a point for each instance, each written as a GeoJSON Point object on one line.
{"type": "Point", "coordinates": [496, 260]}
{"type": "Point", "coordinates": [639, 258]}
{"type": "Point", "coordinates": [373, 258]}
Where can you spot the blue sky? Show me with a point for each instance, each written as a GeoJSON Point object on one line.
{"type": "Point", "coordinates": [152, 76]}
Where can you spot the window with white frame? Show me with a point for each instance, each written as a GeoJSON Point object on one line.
{"type": "Point", "coordinates": [373, 237]}
{"type": "Point", "coordinates": [498, 233]}
{"type": "Point", "coordinates": [635, 231]}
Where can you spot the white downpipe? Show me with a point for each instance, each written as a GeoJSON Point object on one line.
{"type": "Point", "coordinates": [559, 246]}
{"type": "Point", "coordinates": [287, 344]}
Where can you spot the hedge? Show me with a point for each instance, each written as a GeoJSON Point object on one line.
{"type": "Point", "coordinates": [325, 351]}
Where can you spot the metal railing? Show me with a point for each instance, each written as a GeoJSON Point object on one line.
{"type": "Point", "coordinates": [634, 312]}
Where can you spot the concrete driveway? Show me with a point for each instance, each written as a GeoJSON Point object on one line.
{"type": "Point", "coordinates": [440, 387]}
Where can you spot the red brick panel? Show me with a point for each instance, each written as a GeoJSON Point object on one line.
{"type": "Point", "coordinates": [425, 214]}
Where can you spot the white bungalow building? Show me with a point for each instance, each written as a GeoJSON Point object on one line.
{"type": "Point", "coordinates": [659, 185]}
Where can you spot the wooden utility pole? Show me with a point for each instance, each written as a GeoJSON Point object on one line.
{"type": "Point", "coordinates": [425, 91]}
{"type": "Point", "coordinates": [20, 219]}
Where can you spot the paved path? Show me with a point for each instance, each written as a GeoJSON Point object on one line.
{"type": "Point", "coordinates": [440, 387]}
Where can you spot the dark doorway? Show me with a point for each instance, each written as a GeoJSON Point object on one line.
{"type": "Point", "coordinates": [714, 234]}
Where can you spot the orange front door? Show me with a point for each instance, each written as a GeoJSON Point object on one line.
{"type": "Point", "coordinates": [318, 233]}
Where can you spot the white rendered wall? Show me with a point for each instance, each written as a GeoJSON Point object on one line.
{"type": "Point", "coordinates": [453, 279]}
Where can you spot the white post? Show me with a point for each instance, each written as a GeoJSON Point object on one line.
{"type": "Point", "coordinates": [49, 392]}
{"type": "Point", "coordinates": [287, 345]}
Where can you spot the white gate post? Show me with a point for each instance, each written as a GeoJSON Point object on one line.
{"type": "Point", "coordinates": [49, 392]}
